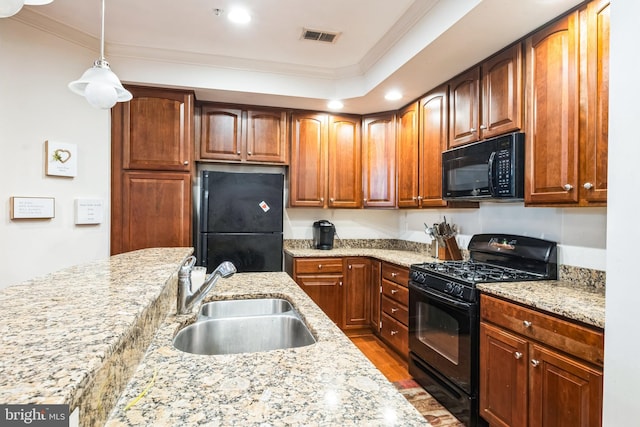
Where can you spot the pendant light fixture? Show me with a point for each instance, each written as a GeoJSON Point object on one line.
{"type": "Point", "coordinates": [11, 7]}
{"type": "Point", "coordinates": [99, 84]}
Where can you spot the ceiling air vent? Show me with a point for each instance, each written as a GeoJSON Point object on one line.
{"type": "Point", "coordinates": [319, 36]}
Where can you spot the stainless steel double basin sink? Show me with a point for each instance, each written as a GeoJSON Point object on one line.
{"type": "Point", "coordinates": [244, 326]}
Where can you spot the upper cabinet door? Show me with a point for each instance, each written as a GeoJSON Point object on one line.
{"type": "Point", "coordinates": [379, 160]}
{"type": "Point", "coordinates": [502, 93]}
{"type": "Point", "coordinates": [267, 136]}
{"type": "Point", "coordinates": [594, 177]}
{"type": "Point", "coordinates": [345, 164]}
{"type": "Point", "coordinates": [433, 141]}
{"type": "Point", "coordinates": [552, 135]}
{"type": "Point", "coordinates": [464, 108]}
{"type": "Point", "coordinates": [221, 133]}
{"type": "Point", "coordinates": [157, 129]}
{"type": "Point", "coordinates": [408, 159]}
{"type": "Point", "coordinates": [307, 173]}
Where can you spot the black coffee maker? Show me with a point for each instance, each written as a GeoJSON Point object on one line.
{"type": "Point", "coordinates": [323, 232]}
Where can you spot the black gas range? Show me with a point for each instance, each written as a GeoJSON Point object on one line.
{"type": "Point", "coordinates": [444, 313]}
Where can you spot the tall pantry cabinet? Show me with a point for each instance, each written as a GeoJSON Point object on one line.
{"type": "Point", "coordinates": [151, 170]}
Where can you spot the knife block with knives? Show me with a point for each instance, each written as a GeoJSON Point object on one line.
{"type": "Point", "coordinates": [445, 235]}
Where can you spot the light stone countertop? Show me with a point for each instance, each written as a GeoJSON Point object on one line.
{"type": "Point", "coordinates": [569, 297]}
{"type": "Point", "coordinates": [74, 336]}
{"type": "Point", "coordinates": [329, 383]}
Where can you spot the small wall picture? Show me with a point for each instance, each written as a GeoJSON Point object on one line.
{"type": "Point", "coordinates": [61, 159]}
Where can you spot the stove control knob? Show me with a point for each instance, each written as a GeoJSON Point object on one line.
{"type": "Point", "coordinates": [457, 290]}
{"type": "Point", "coordinates": [448, 288]}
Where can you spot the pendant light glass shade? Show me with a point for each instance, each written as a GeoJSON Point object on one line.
{"type": "Point", "coordinates": [99, 85]}
{"type": "Point", "coordinates": [11, 7]}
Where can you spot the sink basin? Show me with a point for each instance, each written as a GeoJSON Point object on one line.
{"type": "Point", "coordinates": [243, 334]}
{"type": "Point", "coordinates": [245, 307]}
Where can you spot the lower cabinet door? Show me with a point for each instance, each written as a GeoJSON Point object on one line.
{"type": "Point", "coordinates": [395, 334]}
{"type": "Point", "coordinates": [563, 391]}
{"type": "Point", "coordinates": [503, 377]}
{"type": "Point", "coordinates": [324, 290]}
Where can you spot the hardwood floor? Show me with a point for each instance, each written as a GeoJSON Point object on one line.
{"type": "Point", "coordinates": [386, 360]}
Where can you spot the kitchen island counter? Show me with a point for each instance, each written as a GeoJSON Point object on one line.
{"type": "Point", "coordinates": [327, 383]}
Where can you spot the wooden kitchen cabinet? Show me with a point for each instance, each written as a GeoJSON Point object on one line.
{"type": "Point", "coordinates": [379, 160]}
{"type": "Point", "coordinates": [322, 279]}
{"type": "Point", "coordinates": [243, 134]}
{"type": "Point", "coordinates": [151, 166]}
{"type": "Point", "coordinates": [357, 292]}
{"type": "Point", "coordinates": [408, 164]}
{"type": "Point", "coordinates": [394, 316]}
{"type": "Point", "coordinates": [567, 84]}
{"type": "Point", "coordinates": [155, 130]}
{"type": "Point", "coordinates": [325, 168]}
{"type": "Point", "coordinates": [486, 100]}
{"type": "Point", "coordinates": [537, 369]}
{"type": "Point", "coordinates": [376, 295]}
{"type": "Point", "coordinates": [433, 141]}
{"type": "Point", "coordinates": [464, 108]}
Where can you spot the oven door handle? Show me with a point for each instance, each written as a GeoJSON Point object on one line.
{"type": "Point", "coordinates": [443, 298]}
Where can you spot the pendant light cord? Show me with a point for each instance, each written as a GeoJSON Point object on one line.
{"type": "Point", "coordinates": [102, 35]}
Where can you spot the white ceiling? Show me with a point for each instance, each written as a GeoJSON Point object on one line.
{"type": "Point", "coordinates": [410, 45]}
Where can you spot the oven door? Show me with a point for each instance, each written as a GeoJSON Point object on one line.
{"type": "Point", "coordinates": [443, 333]}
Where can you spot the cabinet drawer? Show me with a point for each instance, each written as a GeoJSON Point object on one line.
{"type": "Point", "coordinates": [395, 334]}
{"type": "Point", "coordinates": [572, 338]}
{"type": "Point", "coordinates": [318, 265]}
{"type": "Point", "coordinates": [396, 292]}
{"type": "Point", "coordinates": [395, 309]}
{"type": "Point", "coordinates": [399, 275]}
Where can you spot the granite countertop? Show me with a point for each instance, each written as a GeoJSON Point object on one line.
{"type": "Point", "coordinates": [402, 258]}
{"type": "Point", "coordinates": [327, 383]}
{"type": "Point", "coordinates": [74, 336]}
{"type": "Point", "coordinates": [560, 297]}
{"type": "Point", "coordinates": [571, 297]}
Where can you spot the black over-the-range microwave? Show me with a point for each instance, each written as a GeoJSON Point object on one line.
{"type": "Point", "coordinates": [488, 170]}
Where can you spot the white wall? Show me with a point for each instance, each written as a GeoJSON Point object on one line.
{"type": "Point", "coordinates": [35, 106]}
{"type": "Point", "coordinates": [622, 339]}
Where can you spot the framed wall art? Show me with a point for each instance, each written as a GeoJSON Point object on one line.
{"type": "Point", "coordinates": [61, 159]}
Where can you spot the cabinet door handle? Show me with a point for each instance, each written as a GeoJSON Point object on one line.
{"type": "Point", "coordinates": [349, 266]}
{"type": "Point", "coordinates": [249, 153]}
{"type": "Point", "coordinates": [322, 199]}
{"type": "Point", "coordinates": [483, 127]}
{"type": "Point", "coordinates": [319, 266]}
{"type": "Point", "coordinates": [567, 187]}
{"type": "Point", "coordinates": [238, 153]}
{"type": "Point", "coordinates": [472, 130]}
{"type": "Point", "coordinates": [517, 355]}
{"type": "Point", "coordinates": [588, 186]}
{"type": "Point", "coordinates": [527, 324]}
{"type": "Point", "coordinates": [340, 283]}
{"type": "Point", "coordinates": [332, 200]}
{"type": "Point", "coordinates": [420, 197]}
{"type": "Point", "coordinates": [394, 291]}
{"type": "Point", "coordinates": [535, 363]}
{"type": "Point", "coordinates": [186, 163]}
{"type": "Point", "coordinates": [394, 333]}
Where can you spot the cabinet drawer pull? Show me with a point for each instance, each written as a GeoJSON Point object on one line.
{"type": "Point", "coordinates": [517, 355]}
{"type": "Point", "coordinates": [394, 291]}
{"type": "Point", "coordinates": [535, 363]}
{"type": "Point", "coordinates": [394, 274]}
{"type": "Point", "coordinates": [394, 310]}
{"type": "Point", "coordinates": [527, 324]}
{"type": "Point", "coordinates": [394, 332]}
{"type": "Point", "coordinates": [319, 266]}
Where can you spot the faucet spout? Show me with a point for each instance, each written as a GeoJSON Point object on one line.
{"type": "Point", "coordinates": [186, 298]}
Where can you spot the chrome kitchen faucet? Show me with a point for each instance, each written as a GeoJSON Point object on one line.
{"type": "Point", "coordinates": [186, 298]}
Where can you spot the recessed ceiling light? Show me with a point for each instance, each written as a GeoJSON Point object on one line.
{"type": "Point", "coordinates": [335, 105]}
{"type": "Point", "coordinates": [239, 16]}
{"type": "Point", "coordinates": [393, 95]}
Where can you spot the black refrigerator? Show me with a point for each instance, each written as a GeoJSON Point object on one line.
{"type": "Point", "coordinates": [241, 218]}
